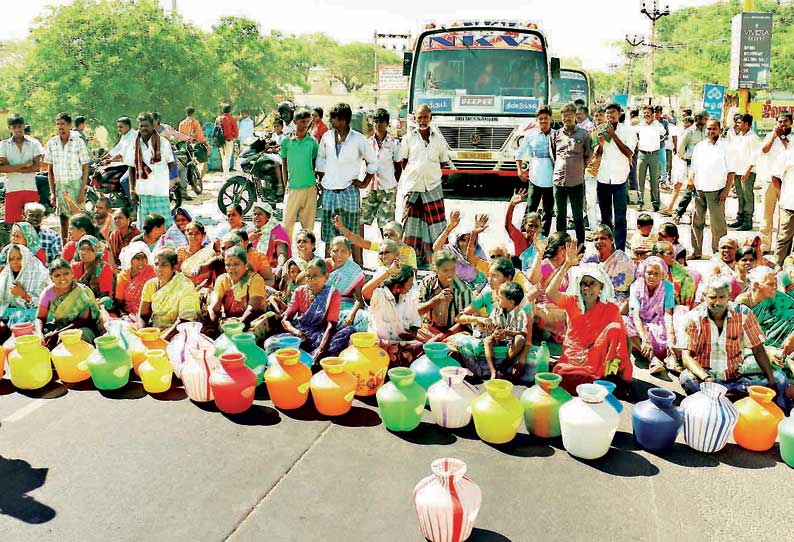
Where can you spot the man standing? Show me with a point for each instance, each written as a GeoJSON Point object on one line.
{"type": "Point", "coordinates": [772, 149]}
{"type": "Point", "coordinates": [533, 160]}
{"type": "Point", "coordinates": [150, 158]}
{"type": "Point", "coordinates": [19, 160]}
{"type": "Point", "coordinates": [583, 119]}
{"type": "Point", "coordinates": [230, 133]}
{"type": "Point", "coordinates": [783, 180]}
{"type": "Point", "coordinates": [591, 173]}
{"type": "Point", "coordinates": [649, 134]}
{"type": "Point", "coordinates": [686, 147]}
{"type": "Point", "coordinates": [570, 152]}
{"type": "Point", "coordinates": [657, 113]}
{"type": "Point", "coordinates": [615, 143]}
{"type": "Point", "coordinates": [245, 127]}
{"type": "Point", "coordinates": [50, 240]}
{"type": "Point", "coordinates": [744, 148]}
{"type": "Point", "coordinates": [424, 218]}
{"type": "Point", "coordinates": [79, 128]}
{"type": "Point", "coordinates": [712, 176]}
{"type": "Point", "coordinates": [338, 165]}
{"type": "Point", "coordinates": [318, 127]}
{"type": "Point", "coordinates": [67, 159]}
{"type": "Point", "coordinates": [298, 155]}
{"type": "Point", "coordinates": [378, 201]}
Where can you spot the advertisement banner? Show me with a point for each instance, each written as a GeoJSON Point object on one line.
{"type": "Point", "coordinates": [751, 50]}
{"type": "Point", "coordinates": [765, 113]}
{"type": "Point", "coordinates": [714, 100]}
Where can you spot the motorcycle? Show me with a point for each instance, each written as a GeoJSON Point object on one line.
{"type": "Point", "coordinates": [105, 181]}
{"type": "Point", "coordinates": [258, 178]}
{"type": "Point", "coordinates": [189, 170]}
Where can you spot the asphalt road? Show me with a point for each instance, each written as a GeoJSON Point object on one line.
{"type": "Point", "coordinates": [77, 464]}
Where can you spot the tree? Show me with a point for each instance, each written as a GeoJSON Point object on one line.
{"type": "Point", "coordinates": [353, 65]}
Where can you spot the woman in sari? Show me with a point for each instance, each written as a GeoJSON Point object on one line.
{"type": "Point", "coordinates": [523, 241]}
{"type": "Point", "coordinates": [22, 279]}
{"type": "Point", "coordinates": [197, 260]}
{"type": "Point", "coordinates": [650, 318]}
{"type": "Point", "coordinates": [67, 304]}
{"type": "Point", "coordinates": [394, 314]}
{"type": "Point", "coordinates": [443, 296]}
{"type": "Point", "coordinates": [80, 225]}
{"type": "Point", "coordinates": [348, 278]}
{"type": "Point", "coordinates": [90, 270]}
{"type": "Point", "coordinates": [595, 345]}
{"type": "Point", "coordinates": [122, 236]}
{"type": "Point", "coordinates": [23, 233]}
{"type": "Point", "coordinates": [678, 275]}
{"type": "Point", "coordinates": [313, 316]}
{"type": "Point", "coordinates": [618, 265]}
{"type": "Point", "coordinates": [239, 294]}
{"type": "Point", "coordinates": [466, 271]}
{"type": "Point", "coordinates": [549, 317]}
{"type": "Point", "coordinates": [174, 236]}
{"type": "Point", "coordinates": [136, 271]}
{"type": "Point", "coordinates": [169, 298]}
{"type": "Point", "coordinates": [269, 237]}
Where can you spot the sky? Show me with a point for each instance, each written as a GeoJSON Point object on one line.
{"type": "Point", "coordinates": [574, 28]}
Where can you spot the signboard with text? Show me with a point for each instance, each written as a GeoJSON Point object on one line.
{"type": "Point", "coordinates": [391, 78]}
{"type": "Point", "coordinates": [765, 113]}
{"type": "Point", "coordinates": [751, 51]}
{"type": "Point", "coordinates": [713, 100]}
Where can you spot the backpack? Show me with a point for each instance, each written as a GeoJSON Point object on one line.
{"type": "Point", "coordinates": [217, 137]}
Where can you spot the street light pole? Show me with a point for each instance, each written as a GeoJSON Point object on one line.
{"type": "Point", "coordinates": [634, 40]}
{"type": "Point", "coordinates": [744, 93]}
{"type": "Point", "coordinates": [376, 67]}
{"type": "Point", "coordinates": [653, 13]}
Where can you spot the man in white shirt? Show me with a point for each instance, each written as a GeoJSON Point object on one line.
{"type": "Point", "coordinates": [378, 201]}
{"type": "Point", "coordinates": [338, 164]}
{"type": "Point", "coordinates": [712, 176]}
{"type": "Point", "coordinates": [744, 148]}
{"type": "Point", "coordinates": [784, 180]}
{"type": "Point", "coordinates": [19, 160]}
{"type": "Point", "coordinates": [771, 151]}
{"type": "Point", "coordinates": [615, 143]}
{"type": "Point", "coordinates": [649, 131]}
{"type": "Point", "coordinates": [245, 127]}
{"type": "Point", "coordinates": [150, 158]}
{"type": "Point", "coordinates": [126, 138]}
{"type": "Point", "coordinates": [424, 218]}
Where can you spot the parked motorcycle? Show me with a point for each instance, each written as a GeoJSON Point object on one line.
{"type": "Point", "coordinates": [257, 181]}
{"type": "Point", "coordinates": [105, 181]}
{"type": "Point", "coordinates": [189, 170]}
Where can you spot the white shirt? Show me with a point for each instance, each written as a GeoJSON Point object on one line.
{"type": "Point", "coordinates": [711, 164]}
{"type": "Point", "coordinates": [388, 318]}
{"type": "Point", "coordinates": [423, 171]}
{"type": "Point", "coordinates": [744, 151]}
{"type": "Point", "coordinates": [388, 153]}
{"type": "Point", "coordinates": [158, 181]}
{"type": "Point", "coordinates": [766, 164]}
{"type": "Point", "coordinates": [342, 169]}
{"type": "Point", "coordinates": [245, 129]}
{"type": "Point", "coordinates": [31, 148]}
{"type": "Point", "coordinates": [673, 131]}
{"type": "Point", "coordinates": [290, 128]}
{"type": "Point", "coordinates": [649, 134]}
{"type": "Point", "coordinates": [124, 142]}
{"type": "Point", "coordinates": [615, 166]}
{"type": "Point", "coordinates": [785, 171]}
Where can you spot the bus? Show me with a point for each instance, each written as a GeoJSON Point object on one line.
{"type": "Point", "coordinates": [570, 86]}
{"type": "Point", "coordinates": [484, 82]}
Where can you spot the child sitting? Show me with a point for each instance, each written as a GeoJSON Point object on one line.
{"type": "Point", "coordinates": [507, 326]}
{"type": "Point", "coordinates": [642, 238]}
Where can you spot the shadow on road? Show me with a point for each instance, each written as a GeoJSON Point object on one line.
{"type": "Point", "coordinates": [524, 445]}
{"type": "Point", "coordinates": [53, 390]}
{"type": "Point", "coordinates": [484, 535]}
{"type": "Point", "coordinates": [426, 434]}
{"type": "Point", "coordinates": [256, 415]}
{"type": "Point", "coordinates": [358, 417]}
{"type": "Point", "coordinates": [133, 390]}
{"type": "Point", "coordinates": [173, 394]}
{"type": "Point", "coordinates": [20, 478]}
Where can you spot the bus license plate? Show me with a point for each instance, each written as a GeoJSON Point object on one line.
{"type": "Point", "coordinates": [474, 155]}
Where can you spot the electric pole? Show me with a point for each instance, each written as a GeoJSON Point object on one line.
{"type": "Point", "coordinates": [653, 13]}
{"type": "Point", "coordinates": [634, 40]}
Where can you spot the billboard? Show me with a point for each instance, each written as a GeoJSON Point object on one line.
{"type": "Point", "coordinates": [391, 78]}
{"type": "Point", "coordinates": [765, 113]}
{"type": "Point", "coordinates": [751, 50]}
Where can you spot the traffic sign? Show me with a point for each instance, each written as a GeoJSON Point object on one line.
{"type": "Point", "coordinates": [714, 100]}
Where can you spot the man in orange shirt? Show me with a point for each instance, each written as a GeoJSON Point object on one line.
{"type": "Point", "coordinates": [192, 128]}
{"type": "Point", "coordinates": [230, 134]}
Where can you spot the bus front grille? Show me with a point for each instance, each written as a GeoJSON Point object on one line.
{"type": "Point", "coordinates": [491, 138]}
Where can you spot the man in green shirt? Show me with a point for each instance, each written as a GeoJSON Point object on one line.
{"type": "Point", "coordinates": [298, 153]}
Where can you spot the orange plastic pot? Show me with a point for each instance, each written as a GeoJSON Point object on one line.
{"type": "Point", "coordinates": [288, 380]}
{"type": "Point", "coordinates": [333, 388]}
{"type": "Point", "coordinates": [150, 337]}
{"type": "Point", "coordinates": [759, 417]}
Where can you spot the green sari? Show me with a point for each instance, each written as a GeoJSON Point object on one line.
{"type": "Point", "coordinates": [776, 316]}
{"type": "Point", "coordinates": [683, 284]}
{"type": "Point", "coordinates": [67, 308]}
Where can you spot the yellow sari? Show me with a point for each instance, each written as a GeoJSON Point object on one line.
{"type": "Point", "coordinates": [178, 299]}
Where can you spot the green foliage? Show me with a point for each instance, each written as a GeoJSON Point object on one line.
{"type": "Point", "coordinates": [353, 64]}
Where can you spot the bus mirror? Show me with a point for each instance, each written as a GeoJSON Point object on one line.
{"type": "Point", "coordinates": [555, 68]}
{"type": "Point", "coordinates": [408, 57]}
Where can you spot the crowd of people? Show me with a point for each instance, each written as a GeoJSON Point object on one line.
{"type": "Point", "coordinates": [610, 299]}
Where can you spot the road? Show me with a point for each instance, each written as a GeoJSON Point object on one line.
{"type": "Point", "coordinates": [80, 465]}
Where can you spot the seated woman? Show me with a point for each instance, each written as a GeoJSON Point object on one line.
{"type": "Point", "coordinates": [394, 314]}
{"type": "Point", "coordinates": [24, 234]}
{"type": "Point", "coordinates": [548, 316]}
{"type": "Point", "coordinates": [313, 316]}
{"type": "Point", "coordinates": [234, 221]}
{"type": "Point", "coordinates": [174, 236]}
{"type": "Point", "coordinates": [239, 294]}
{"type": "Point", "coordinates": [122, 236]}
{"type": "Point", "coordinates": [442, 296]}
{"type": "Point", "coordinates": [22, 279]}
{"type": "Point", "coordinates": [348, 278]}
{"type": "Point", "coordinates": [67, 304]}
{"type": "Point", "coordinates": [198, 260]}
{"type": "Point", "coordinates": [305, 245]}
{"type": "Point", "coordinates": [169, 298]}
{"type": "Point", "coordinates": [523, 241]}
{"type": "Point", "coordinates": [79, 226]}
{"type": "Point", "coordinates": [257, 262]}
{"type": "Point", "coordinates": [617, 264]}
{"type": "Point", "coordinates": [136, 271]}
{"type": "Point", "coordinates": [268, 235]}
{"type": "Point", "coordinates": [595, 345]}
{"type": "Point", "coordinates": [153, 230]}
{"type": "Point", "coordinates": [650, 318]}
{"type": "Point", "coordinates": [746, 261]}
{"type": "Point", "coordinates": [92, 271]}
{"type": "Point", "coordinates": [466, 271]}
{"type": "Point", "coordinates": [668, 232]}
{"type": "Point", "coordinates": [392, 231]}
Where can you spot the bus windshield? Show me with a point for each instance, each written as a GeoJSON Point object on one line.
{"type": "Point", "coordinates": [569, 87]}
{"type": "Point", "coordinates": [481, 72]}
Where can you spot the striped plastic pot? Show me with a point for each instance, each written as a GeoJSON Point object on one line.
{"type": "Point", "coordinates": [450, 398]}
{"type": "Point", "coordinates": [709, 418]}
{"type": "Point", "coordinates": [447, 502]}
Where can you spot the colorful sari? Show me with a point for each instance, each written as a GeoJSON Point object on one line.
{"type": "Point", "coordinates": [651, 307]}
{"type": "Point", "coordinates": [33, 278]}
{"type": "Point", "coordinates": [550, 317]}
{"type": "Point", "coordinates": [313, 323]}
{"type": "Point", "coordinates": [620, 269]}
{"type": "Point", "coordinates": [683, 284]}
{"type": "Point", "coordinates": [776, 316]}
{"type": "Point", "coordinates": [193, 262]}
{"type": "Point", "coordinates": [130, 289]}
{"type": "Point", "coordinates": [65, 309]}
{"type": "Point", "coordinates": [32, 240]}
{"type": "Point", "coordinates": [272, 235]}
{"type": "Point", "coordinates": [463, 268]}
{"type": "Point", "coordinates": [176, 300]}
{"type": "Point", "coordinates": [346, 279]}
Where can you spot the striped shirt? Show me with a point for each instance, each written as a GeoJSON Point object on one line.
{"type": "Point", "coordinates": [514, 320]}
{"type": "Point", "coordinates": [67, 160]}
{"type": "Point", "coordinates": [721, 353]}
